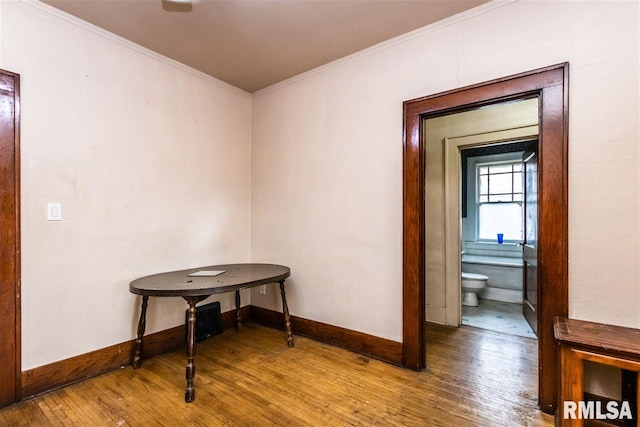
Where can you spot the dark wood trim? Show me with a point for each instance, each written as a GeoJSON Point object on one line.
{"type": "Point", "coordinates": [59, 374]}
{"type": "Point", "coordinates": [550, 84]}
{"type": "Point", "coordinates": [230, 317]}
{"type": "Point", "coordinates": [414, 243]}
{"type": "Point", "coordinates": [78, 368]}
{"type": "Point", "coordinates": [10, 307]}
{"type": "Point", "coordinates": [358, 342]}
{"type": "Point", "coordinates": [18, 280]}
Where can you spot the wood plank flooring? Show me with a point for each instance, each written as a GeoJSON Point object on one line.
{"type": "Point", "coordinates": [251, 378]}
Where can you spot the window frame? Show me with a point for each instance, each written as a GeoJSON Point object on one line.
{"type": "Point", "coordinates": [473, 204]}
{"type": "Point", "coordinates": [512, 193]}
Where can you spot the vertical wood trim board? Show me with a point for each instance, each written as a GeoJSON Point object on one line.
{"type": "Point", "coordinates": [10, 324]}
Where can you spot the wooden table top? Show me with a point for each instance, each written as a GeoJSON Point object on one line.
{"type": "Point", "coordinates": [614, 339]}
{"type": "Point", "coordinates": [235, 277]}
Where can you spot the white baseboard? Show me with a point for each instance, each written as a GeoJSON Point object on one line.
{"type": "Point", "coordinates": [504, 295]}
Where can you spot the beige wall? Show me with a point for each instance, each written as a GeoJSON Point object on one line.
{"type": "Point", "coordinates": [151, 162]}
{"type": "Point", "coordinates": [327, 158]}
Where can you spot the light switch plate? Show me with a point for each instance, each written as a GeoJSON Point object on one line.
{"type": "Point", "coordinates": [54, 211]}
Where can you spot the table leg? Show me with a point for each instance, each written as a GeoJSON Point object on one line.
{"type": "Point", "coordinates": [189, 393]}
{"type": "Point", "coordinates": [238, 321]}
{"type": "Point", "coordinates": [137, 354]}
{"type": "Point", "coordinates": [285, 311]}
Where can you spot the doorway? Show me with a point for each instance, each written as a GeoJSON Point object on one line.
{"type": "Point", "coordinates": [485, 147]}
{"type": "Point", "coordinates": [550, 86]}
{"type": "Point", "coordinates": [492, 216]}
{"type": "Point", "coordinates": [10, 364]}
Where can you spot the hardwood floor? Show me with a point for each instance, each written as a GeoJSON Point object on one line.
{"type": "Point", "coordinates": [251, 378]}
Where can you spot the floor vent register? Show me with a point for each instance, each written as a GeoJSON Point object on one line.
{"type": "Point", "coordinates": [208, 321]}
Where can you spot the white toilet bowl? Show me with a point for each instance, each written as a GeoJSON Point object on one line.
{"type": "Point", "coordinates": [472, 284]}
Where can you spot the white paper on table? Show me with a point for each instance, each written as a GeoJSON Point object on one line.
{"type": "Point", "coordinates": [206, 273]}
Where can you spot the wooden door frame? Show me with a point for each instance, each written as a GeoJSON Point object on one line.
{"type": "Point", "coordinates": [10, 231]}
{"type": "Point", "coordinates": [551, 85]}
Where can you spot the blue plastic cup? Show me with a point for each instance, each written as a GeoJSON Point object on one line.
{"type": "Point", "coordinates": [500, 237]}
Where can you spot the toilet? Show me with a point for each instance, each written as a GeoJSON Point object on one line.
{"type": "Point", "coordinates": [472, 284]}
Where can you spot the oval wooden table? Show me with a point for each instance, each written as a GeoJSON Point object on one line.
{"type": "Point", "coordinates": [195, 285]}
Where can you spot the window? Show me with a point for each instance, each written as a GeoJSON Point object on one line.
{"type": "Point", "coordinates": [499, 200]}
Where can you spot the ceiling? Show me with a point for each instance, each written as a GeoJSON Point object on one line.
{"type": "Point", "coordinates": [252, 44]}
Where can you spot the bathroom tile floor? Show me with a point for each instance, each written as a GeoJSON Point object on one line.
{"type": "Point", "coordinates": [497, 316]}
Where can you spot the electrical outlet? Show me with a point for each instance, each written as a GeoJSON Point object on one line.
{"type": "Point", "coordinates": [263, 289]}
